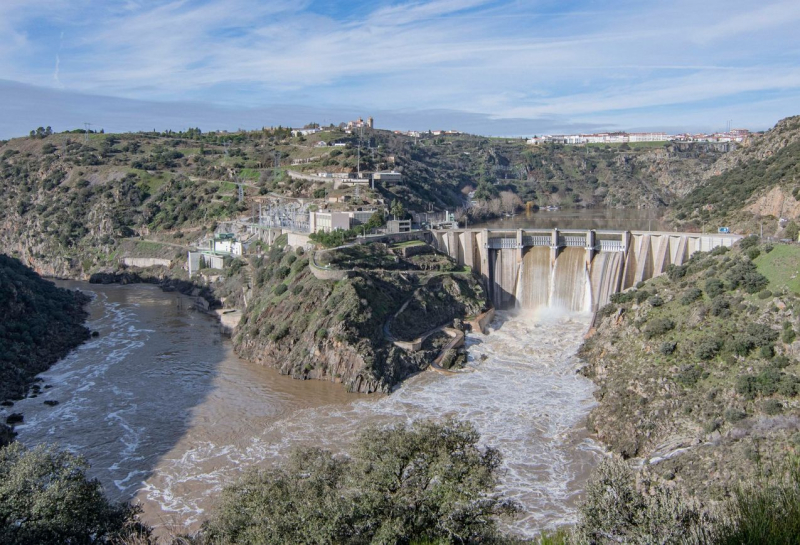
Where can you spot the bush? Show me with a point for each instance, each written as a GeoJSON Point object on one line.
{"type": "Point", "coordinates": [282, 272]}
{"type": "Point", "coordinates": [690, 296]}
{"type": "Point", "coordinates": [657, 327]}
{"type": "Point", "coordinates": [752, 253]}
{"type": "Point", "coordinates": [767, 352]}
{"type": "Point", "coordinates": [720, 250]}
{"type": "Point", "coordinates": [420, 484]}
{"type": "Point", "coordinates": [641, 296]}
{"type": "Point", "coordinates": [46, 497]}
{"type": "Point", "coordinates": [788, 336]}
{"type": "Point", "coordinates": [764, 294]}
{"type": "Point", "coordinates": [707, 349]}
{"type": "Point", "coordinates": [279, 333]}
{"type": "Point", "coordinates": [668, 347]}
{"type": "Point", "coordinates": [280, 289]}
{"type": "Point", "coordinates": [720, 307]}
{"type": "Point", "coordinates": [780, 362]}
{"type": "Point", "coordinates": [656, 301]}
{"type": "Point", "coordinates": [297, 289]}
{"type": "Point", "coordinates": [744, 274]}
{"type": "Point", "coordinates": [615, 510]}
{"type": "Point", "coordinates": [734, 415]}
{"type": "Point", "coordinates": [772, 407]}
{"type": "Point", "coordinates": [322, 333]}
{"type": "Point", "coordinates": [623, 297]}
{"type": "Point", "coordinates": [607, 310]}
{"type": "Point", "coordinates": [714, 286]}
{"type": "Point", "coordinates": [689, 375]}
{"type": "Point", "coordinates": [748, 242]}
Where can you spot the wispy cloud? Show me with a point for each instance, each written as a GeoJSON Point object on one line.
{"type": "Point", "coordinates": [506, 58]}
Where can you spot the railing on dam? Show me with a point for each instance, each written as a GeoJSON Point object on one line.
{"type": "Point", "coordinates": [612, 246]}
{"type": "Point", "coordinates": [572, 241]}
{"type": "Point", "coordinates": [502, 243]}
{"type": "Point", "coordinates": [537, 240]}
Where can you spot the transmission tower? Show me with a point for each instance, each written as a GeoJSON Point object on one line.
{"type": "Point", "coordinates": [86, 133]}
{"type": "Point", "coordinates": [277, 163]}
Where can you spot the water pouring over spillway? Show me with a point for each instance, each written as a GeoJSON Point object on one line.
{"type": "Point", "coordinates": [570, 270]}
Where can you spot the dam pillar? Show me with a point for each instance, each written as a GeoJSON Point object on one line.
{"type": "Point", "coordinates": [590, 247]}
{"type": "Point", "coordinates": [553, 247]}
{"type": "Point", "coordinates": [483, 248]}
{"type": "Point", "coordinates": [520, 248]}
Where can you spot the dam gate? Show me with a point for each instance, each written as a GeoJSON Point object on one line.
{"type": "Point", "coordinates": [573, 269]}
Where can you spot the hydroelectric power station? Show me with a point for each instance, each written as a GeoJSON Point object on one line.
{"type": "Point", "coordinates": [572, 269]}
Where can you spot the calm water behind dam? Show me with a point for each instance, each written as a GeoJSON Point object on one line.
{"type": "Point", "coordinates": [167, 414]}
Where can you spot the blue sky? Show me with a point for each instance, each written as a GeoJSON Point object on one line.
{"type": "Point", "coordinates": [507, 67]}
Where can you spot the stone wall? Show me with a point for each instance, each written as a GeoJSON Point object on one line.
{"type": "Point", "coordinates": [145, 262]}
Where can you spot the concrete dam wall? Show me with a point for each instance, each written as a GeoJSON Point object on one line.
{"type": "Point", "coordinates": [574, 270]}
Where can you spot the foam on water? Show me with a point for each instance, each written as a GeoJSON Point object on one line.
{"type": "Point", "coordinates": [522, 394]}
{"type": "Point", "coordinates": [166, 414]}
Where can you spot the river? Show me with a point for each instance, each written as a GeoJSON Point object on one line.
{"type": "Point", "coordinates": [167, 414]}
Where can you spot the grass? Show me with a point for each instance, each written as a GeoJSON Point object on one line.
{"type": "Point", "coordinates": [408, 243]}
{"type": "Point", "coordinates": [781, 266]}
{"type": "Point", "coordinates": [146, 246]}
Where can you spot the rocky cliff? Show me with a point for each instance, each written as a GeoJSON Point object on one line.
{"type": "Point", "coordinates": [340, 330]}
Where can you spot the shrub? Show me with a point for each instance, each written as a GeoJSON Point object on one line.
{"type": "Point", "coordinates": [721, 306]}
{"type": "Point", "coordinates": [748, 242]}
{"type": "Point", "coordinates": [733, 415]}
{"type": "Point", "coordinates": [690, 296]}
{"type": "Point", "coordinates": [657, 327]}
{"type": "Point", "coordinates": [297, 289]}
{"type": "Point", "coordinates": [720, 250]}
{"type": "Point", "coordinates": [656, 300]}
{"type": "Point", "coordinates": [764, 294]}
{"type": "Point", "coordinates": [291, 258]}
{"type": "Point", "coordinates": [747, 386]}
{"type": "Point", "coordinates": [714, 286]}
{"type": "Point", "coordinates": [707, 349]}
{"type": "Point", "coordinates": [788, 386]}
{"type": "Point", "coordinates": [780, 362]}
{"type": "Point", "coordinates": [772, 407]}
{"type": "Point", "coordinates": [668, 347]}
{"type": "Point", "coordinates": [623, 297]}
{"type": "Point", "coordinates": [46, 497]}
{"type": "Point", "coordinates": [744, 274]}
{"type": "Point", "coordinates": [689, 375]}
{"type": "Point", "coordinates": [767, 352]}
{"type": "Point", "coordinates": [607, 310]}
{"type": "Point", "coordinates": [676, 272]}
{"type": "Point", "coordinates": [279, 333]}
{"type": "Point", "coordinates": [788, 336]}
{"type": "Point", "coordinates": [752, 253]}
{"type": "Point", "coordinates": [615, 510]}
{"type": "Point", "coordinates": [767, 381]}
{"type": "Point", "coordinates": [280, 289]}
{"type": "Point", "coordinates": [322, 333]}
{"type": "Point", "coordinates": [641, 296]}
{"type": "Point", "coordinates": [282, 272]}
{"type": "Point", "coordinates": [423, 483]}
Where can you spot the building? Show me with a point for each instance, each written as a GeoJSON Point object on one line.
{"type": "Point", "coordinates": [398, 226]}
{"type": "Point", "coordinates": [390, 177]}
{"type": "Point", "coordinates": [328, 220]}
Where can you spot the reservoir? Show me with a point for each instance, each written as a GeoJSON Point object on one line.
{"type": "Point", "coordinates": [618, 219]}
{"type": "Point", "coordinates": [167, 414]}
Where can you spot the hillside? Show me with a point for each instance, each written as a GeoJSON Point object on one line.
{"type": "Point", "coordinates": [342, 330]}
{"type": "Point", "coordinates": [697, 369]}
{"type": "Point", "coordinates": [41, 324]}
{"type": "Point", "coordinates": [68, 201]}
{"type": "Point", "coordinates": [754, 186]}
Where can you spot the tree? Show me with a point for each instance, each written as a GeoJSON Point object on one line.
{"type": "Point", "coordinates": [45, 497]}
{"type": "Point", "coordinates": [428, 482]}
{"type": "Point", "coordinates": [397, 210]}
{"type": "Point", "coordinates": [792, 231]}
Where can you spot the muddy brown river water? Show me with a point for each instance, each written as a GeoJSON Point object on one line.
{"type": "Point", "coordinates": [167, 414]}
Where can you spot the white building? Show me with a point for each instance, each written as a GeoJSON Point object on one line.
{"type": "Point", "coordinates": [327, 221]}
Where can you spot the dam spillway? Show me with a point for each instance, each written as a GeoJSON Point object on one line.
{"type": "Point", "coordinates": [575, 270]}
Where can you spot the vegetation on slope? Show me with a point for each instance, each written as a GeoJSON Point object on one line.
{"type": "Point", "coordinates": [770, 163]}
{"type": "Point", "coordinates": [697, 369]}
{"type": "Point", "coordinates": [334, 330]}
{"type": "Point", "coordinates": [41, 324]}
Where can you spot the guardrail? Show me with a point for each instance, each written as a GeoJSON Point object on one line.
{"type": "Point", "coordinates": [502, 243]}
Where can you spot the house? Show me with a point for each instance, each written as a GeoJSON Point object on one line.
{"type": "Point", "coordinates": [328, 220]}
{"type": "Point", "coordinates": [390, 177]}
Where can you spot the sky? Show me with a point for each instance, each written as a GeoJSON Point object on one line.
{"type": "Point", "coordinates": [493, 67]}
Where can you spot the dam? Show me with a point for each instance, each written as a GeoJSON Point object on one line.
{"type": "Point", "coordinates": [572, 269]}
